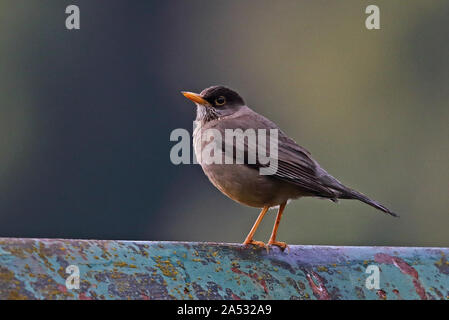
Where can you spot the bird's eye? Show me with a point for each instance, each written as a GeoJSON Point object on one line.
{"type": "Point", "coordinates": [220, 101]}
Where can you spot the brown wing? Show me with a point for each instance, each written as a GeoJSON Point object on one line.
{"type": "Point", "coordinates": [295, 164]}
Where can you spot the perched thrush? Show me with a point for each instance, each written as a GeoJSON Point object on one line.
{"type": "Point", "coordinates": [297, 173]}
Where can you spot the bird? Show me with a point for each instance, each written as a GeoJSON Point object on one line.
{"type": "Point", "coordinates": [297, 174]}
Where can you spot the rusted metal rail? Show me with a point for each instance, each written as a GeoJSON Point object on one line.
{"type": "Point", "coordinates": [47, 269]}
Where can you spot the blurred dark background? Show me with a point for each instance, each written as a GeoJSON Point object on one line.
{"type": "Point", "coordinates": [86, 116]}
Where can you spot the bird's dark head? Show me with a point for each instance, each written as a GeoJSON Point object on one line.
{"type": "Point", "coordinates": [215, 102]}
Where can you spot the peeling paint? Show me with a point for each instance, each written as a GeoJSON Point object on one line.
{"type": "Point", "coordinates": [405, 268]}
{"type": "Point", "coordinates": [319, 289]}
{"type": "Point", "coordinates": [35, 269]}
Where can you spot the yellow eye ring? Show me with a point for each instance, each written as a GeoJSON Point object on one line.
{"type": "Point", "coordinates": [220, 101]}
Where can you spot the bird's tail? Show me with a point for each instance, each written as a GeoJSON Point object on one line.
{"type": "Point", "coordinates": [352, 194]}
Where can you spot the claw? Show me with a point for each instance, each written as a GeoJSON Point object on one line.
{"type": "Point", "coordinates": [256, 243]}
{"type": "Point", "coordinates": [281, 245]}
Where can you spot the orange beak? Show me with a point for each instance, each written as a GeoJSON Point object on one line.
{"type": "Point", "coordinates": [195, 97]}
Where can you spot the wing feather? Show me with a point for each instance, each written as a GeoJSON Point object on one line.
{"type": "Point", "coordinates": [295, 164]}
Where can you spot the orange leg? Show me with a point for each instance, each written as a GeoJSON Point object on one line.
{"type": "Point", "coordinates": [272, 240]}
{"type": "Point", "coordinates": [249, 238]}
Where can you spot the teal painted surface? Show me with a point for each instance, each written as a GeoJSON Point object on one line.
{"type": "Point", "coordinates": [36, 269]}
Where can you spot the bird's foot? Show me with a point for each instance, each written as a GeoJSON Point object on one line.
{"type": "Point", "coordinates": [255, 243]}
{"type": "Point", "coordinates": [281, 245]}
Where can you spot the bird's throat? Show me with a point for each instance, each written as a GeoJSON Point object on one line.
{"type": "Point", "coordinates": [206, 114]}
